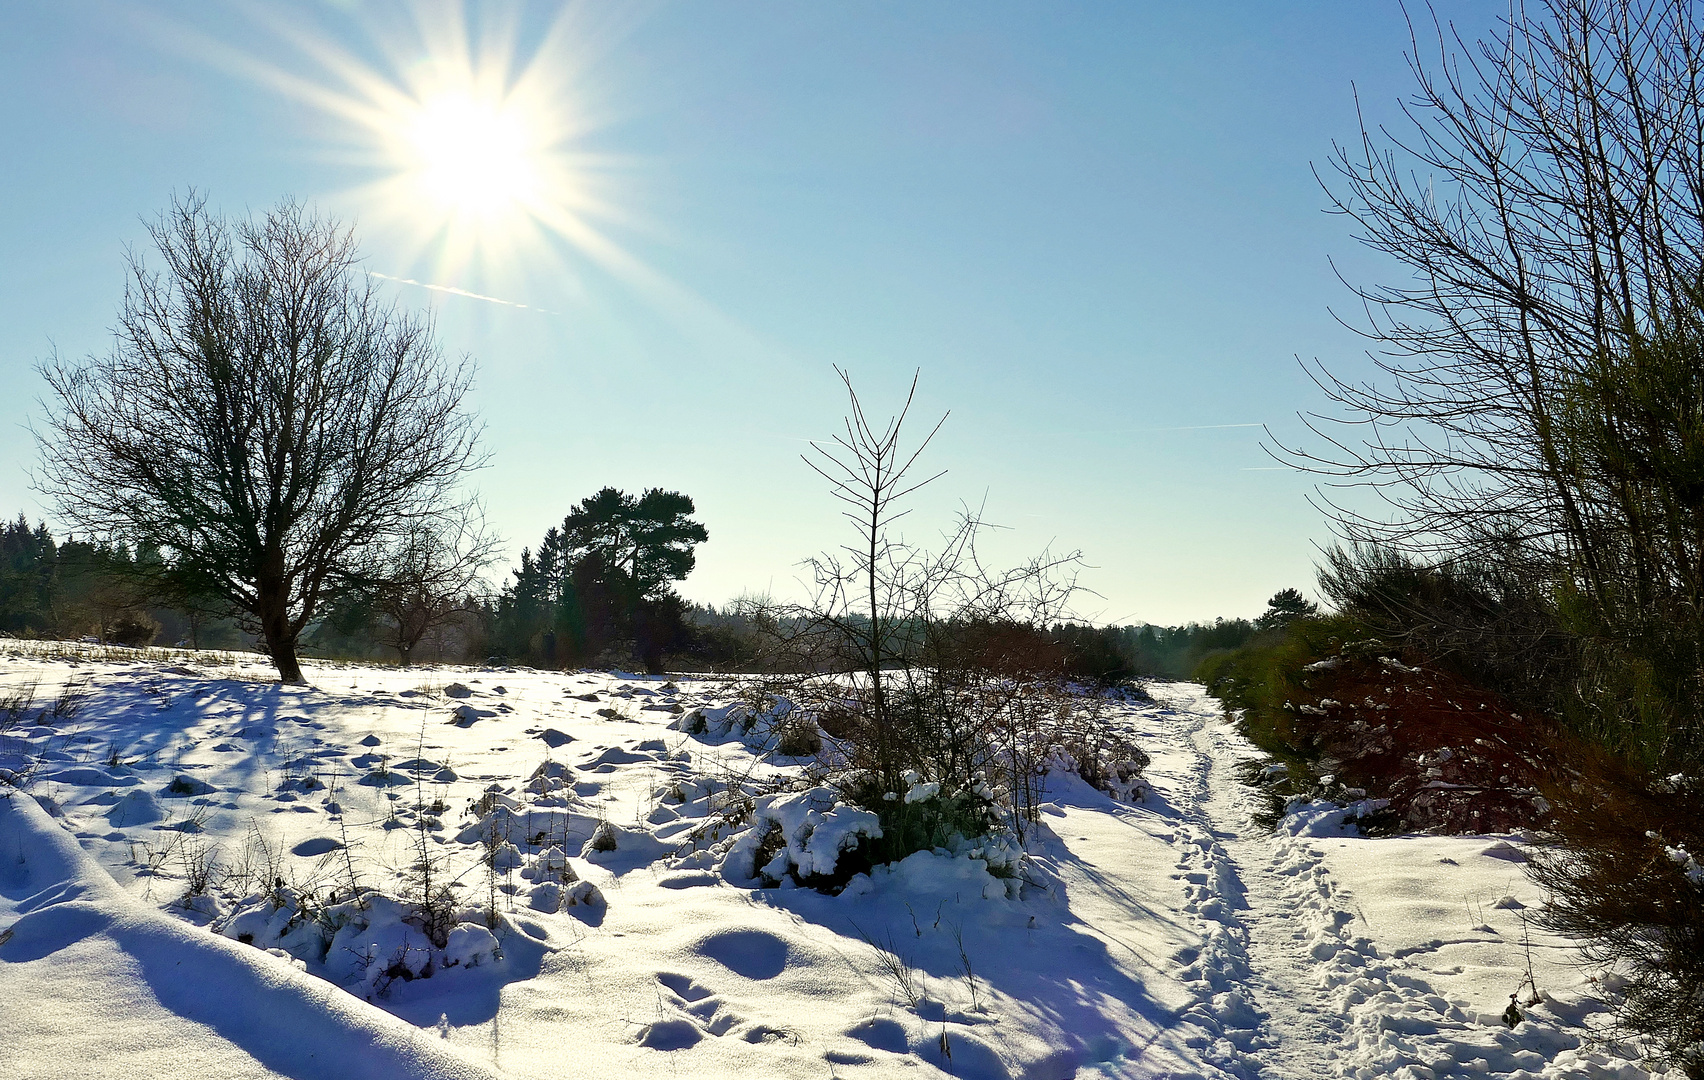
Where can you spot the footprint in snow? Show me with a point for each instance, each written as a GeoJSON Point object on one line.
{"type": "Point", "coordinates": [615, 755]}
{"type": "Point", "coordinates": [421, 765]}
{"type": "Point", "coordinates": [700, 1007]}
{"type": "Point", "coordinates": [683, 986]}
{"type": "Point", "coordinates": [677, 1033]}
{"type": "Point", "coordinates": [883, 1033]}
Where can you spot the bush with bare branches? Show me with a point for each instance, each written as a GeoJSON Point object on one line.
{"type": "Point", "coordinates": [932, 672]}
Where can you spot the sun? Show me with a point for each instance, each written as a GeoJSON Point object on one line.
{"type": "Point", "coordinates": [468, 133]}
{"type": "Point", "coordinates": [469, 125]}
{"type": "Point", "coordinates": [473, 158]}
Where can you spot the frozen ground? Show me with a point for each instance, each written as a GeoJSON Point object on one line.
{"type": "Point", "coordinates": [180, 898]}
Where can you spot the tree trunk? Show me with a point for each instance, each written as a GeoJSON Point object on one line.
{"type": "Point", "coordinates": [276, 631]}
{"type": "Point", "coordinates": [284, 658]}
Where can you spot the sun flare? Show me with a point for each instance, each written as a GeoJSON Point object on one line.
{"type": "Point", "coordinates": [471, 132]}
{"type": "Point", "coordinates": [473, 157]}
{"type": "Point", "coordinates": [474, 130]}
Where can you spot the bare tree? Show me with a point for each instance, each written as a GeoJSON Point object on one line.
{"type": "Point", "coordinates": [430, 577]}
{"type": "Point", "coordinates": [1547, 197]}
{"type": "Point", "coordinates": [1543, 367]}
{"type": "Point", "coordinates": [263, 417]}
{"type": "Point", "coordinates": [869, 471]}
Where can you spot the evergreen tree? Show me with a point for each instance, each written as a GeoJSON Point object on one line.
{"type": "Point", "coordinates": [602, 582]}
{"type": "Point", "coordinates": [28, 574]}
{"type": "Point", "coordinates": [1285, 606]}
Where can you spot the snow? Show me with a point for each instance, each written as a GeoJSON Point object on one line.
{"type": "Point", "coordinates": [233, 888]}
{"type": "Point", "coordinates": [1682, 858]}
{"type": "Point", "coordinates": [815, 828]}
{"type": "Point", "coordinates": [93, 978]}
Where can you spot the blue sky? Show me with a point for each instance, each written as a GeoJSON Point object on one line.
{"type": "Point", "coordinates": [1093, 227]}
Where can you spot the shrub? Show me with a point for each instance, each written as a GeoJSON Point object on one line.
{"type": "Point", "coordinates": [936, 675]}
{"type": "Point", "coordinates": [798, 736]}
{"type": "Point", "coordinates": [1491, 621]}
{"type": "Point", "coordinates": [1263, 676]}
{"type": "Point", "coordinates": [133, 630]}
{"type": "Point", "coordinates": [1623, 875]}
{"type": "Point", "coordinates": [1351, 718]}
{"type": "Point", "coordinates": [922, 816]}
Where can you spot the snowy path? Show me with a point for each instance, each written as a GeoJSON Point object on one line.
{"type": "Point", "coordinates": [1299, 1032]}
{"type": "Point", "coordinates": [1301, 984]}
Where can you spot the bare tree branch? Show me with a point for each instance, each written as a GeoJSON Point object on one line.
{"type": "Point", "coordinates": [262, 418]}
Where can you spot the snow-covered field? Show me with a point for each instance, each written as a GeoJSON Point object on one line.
{"type": "Point", "coordinates": [204, 884]}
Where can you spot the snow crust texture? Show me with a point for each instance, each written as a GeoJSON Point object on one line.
{"type": "Point", "coordinates": [465, 872]}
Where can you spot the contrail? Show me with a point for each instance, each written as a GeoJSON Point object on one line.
{"type": "Point", "coordinates": [453, 291]}
{"type": "Point", "coordinates": [1150, 430]}
{"type": "Point", "coordinates": [1201, 427]}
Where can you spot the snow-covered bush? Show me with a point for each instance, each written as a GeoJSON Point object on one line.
{"type": "Point", "coordinates": [821, 838]}
{"type": "Point", "coordinates": [714, 723]}
{"type": "Point", "coordinates": [1103, 756]}
{"type": "Point", "coordinates": [365, 943]}
{"type": "Point", "coordinates": [604, 838]}
{"type": "Point", "coordinates": [979, 746]}
{"type": "Point", "coordinates": [810, 836]}
{"type": "Point", "coordinates": [923, 814]}
{"type": "Point", "coordinates": [556, 884]}
{"type": "Point", "coordinates": [764, 722]}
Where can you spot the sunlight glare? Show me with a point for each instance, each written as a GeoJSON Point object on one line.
{"type": "Point", "coordinates": [474, 129]}
{"type": "Point", "coordinates": [472, 156]}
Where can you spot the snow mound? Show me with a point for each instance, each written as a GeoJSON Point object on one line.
{"type": "Point", "coordinates": [242, 1010]}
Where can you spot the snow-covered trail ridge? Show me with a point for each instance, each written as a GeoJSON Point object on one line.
{"type": "Point", "coordinates": [1166, 938]}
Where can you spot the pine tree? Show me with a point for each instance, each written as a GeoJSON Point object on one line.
{"type": "Point", "coordinates": [603, 580]}
{"type": "Point", "coordinates": [1286, 606]}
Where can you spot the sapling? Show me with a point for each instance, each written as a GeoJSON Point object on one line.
{"type": "Point", "coordinates": [434, 900]}
{"type": "Point", "coordinates": [355, 891]}
{"type": "Point", "coordinates": [1529, 983]}
{"type": "Point", "coordinates": [964, 965]}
